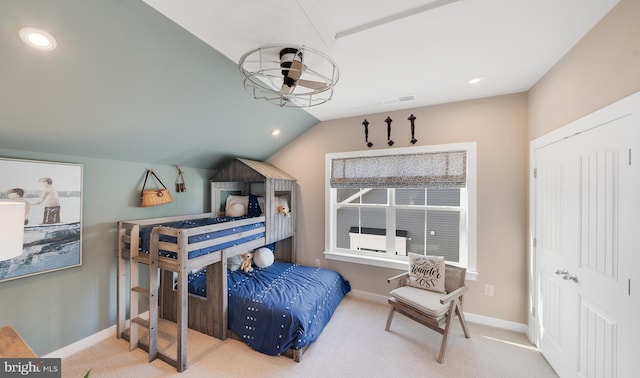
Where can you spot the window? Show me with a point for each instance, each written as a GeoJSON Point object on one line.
{"type": "Point", "coordinates": [383, 204]}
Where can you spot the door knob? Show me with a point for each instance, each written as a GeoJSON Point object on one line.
{"type": "Point", "coordinates": [571, 277]}
{"type": "Point", "coordinates": [566, 275]}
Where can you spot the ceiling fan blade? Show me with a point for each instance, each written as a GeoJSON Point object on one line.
{"type": "Point", "coordinates": [295, 70]}
{"type": "Point", "coordinates": [286, 89]}
{"type": "Point", "coordinates": [312, 84]}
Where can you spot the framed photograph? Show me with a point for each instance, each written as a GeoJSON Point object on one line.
{"type": "Point", "coordinates": [52, 194]}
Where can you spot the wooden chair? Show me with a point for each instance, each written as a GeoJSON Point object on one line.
{"type": "Point", "coordinates": [432, 309]}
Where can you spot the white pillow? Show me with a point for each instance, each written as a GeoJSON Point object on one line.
{"type": "Point", "coordinates": [236, 211]}
{"type": "Point", "coordinates": [263, 257]}
{"type": "Point", "coordinates": [233, 262]}
{"type": "Point", "coordinates": [426, 272]}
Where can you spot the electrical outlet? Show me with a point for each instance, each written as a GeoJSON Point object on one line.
{"type": "Point", "coordinates": [318, 263]}
{"type": "Point", "coordinates": [488, 290]}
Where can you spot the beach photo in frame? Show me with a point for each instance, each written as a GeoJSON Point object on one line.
{"type": "Point", "coordinates": [52, 193]}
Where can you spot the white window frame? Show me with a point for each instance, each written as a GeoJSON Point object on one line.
{"type": "Point", "coordinates": [468, 251]}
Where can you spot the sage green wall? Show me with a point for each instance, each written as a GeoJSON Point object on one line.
{"type": "Point", "coordinates": [55, 309]}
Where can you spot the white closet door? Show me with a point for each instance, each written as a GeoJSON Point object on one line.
{"type": "Point", "coordinates": [557, 298]}
{"type": "Point", "coordinates": [584, 226]}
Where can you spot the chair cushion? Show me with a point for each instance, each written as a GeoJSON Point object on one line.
{"type": "Point", "coordinates": [425, 301]}
{"type": "Point", "coordinates": [427, 272]}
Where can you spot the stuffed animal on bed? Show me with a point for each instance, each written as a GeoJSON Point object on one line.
{"type": "Point", "coordinates": [283, 210]}
{"type": "Point", "coordinates": [282, 206]}
{"type": "Point", "coordinates": [247, 259]}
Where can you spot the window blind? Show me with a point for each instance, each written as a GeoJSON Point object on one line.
{"type": "Point", "coordinates": [422, 170]}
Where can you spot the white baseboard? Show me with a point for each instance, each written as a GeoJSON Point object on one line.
{"type": "Point", "coordinates": [90, 340]}
{"type": "Point", "coordinates": [358, 294]}
{"type": "Point", "coordinates": [479, 319]}
{"type": "Point", "coordinates": [83, 344]}
{"type": "Point", "coordinates": [497, 323]}
{"type": "Point", "coordinates": [370, 297]}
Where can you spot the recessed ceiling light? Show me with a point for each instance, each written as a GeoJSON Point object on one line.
{"type": "Point", "coordinates": [475, 80]}
{"type": "Point", "coordinates": [275, 132]}
{"type": "Point", "coordinates": [38, 39]}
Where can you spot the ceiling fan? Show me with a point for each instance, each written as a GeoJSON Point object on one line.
{"type": "Point", "coordinates": [292, 64]}
{"type": "Point", "coordinates": [289, 75]}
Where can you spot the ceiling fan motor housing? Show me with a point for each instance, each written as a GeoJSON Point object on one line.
{"type": "Point", "coordinates": [287, 56]}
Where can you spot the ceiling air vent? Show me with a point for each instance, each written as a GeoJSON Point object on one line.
{"type": "Point", "coordinates": [395, 100]}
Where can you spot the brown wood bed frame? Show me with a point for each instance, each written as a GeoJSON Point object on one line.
{"type": "Point", "coordinates": [207, 315]}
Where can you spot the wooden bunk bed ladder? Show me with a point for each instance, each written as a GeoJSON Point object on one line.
{"type": "Point", "coordinates": [151, 293]}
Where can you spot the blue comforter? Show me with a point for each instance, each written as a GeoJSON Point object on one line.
{"type": "Point", "coordinates": [281, 306]}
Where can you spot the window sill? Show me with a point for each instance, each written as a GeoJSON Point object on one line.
{"type": "Point", "coordinates": [380, 262]}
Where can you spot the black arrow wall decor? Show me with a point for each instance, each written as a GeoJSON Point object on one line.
{"type": "Point", "coordinates": [365, 123]}
{"type": "Point", "coordinates": [412, 118]}
{"type": "Point", "coordinates": [388, 121]}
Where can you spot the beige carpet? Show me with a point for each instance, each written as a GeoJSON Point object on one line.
{"type": "Point", "coordinates": [353, 344]}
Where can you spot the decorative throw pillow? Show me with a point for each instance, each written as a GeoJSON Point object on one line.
{"type": "Point", "coordinates": [233, 262]}
{"type": "Point", "coordinates": [253, 209]}
{"type": "Point", "coordinates": [263, 257]}
{"type": "Point", "coordinates": [236, 211]}
{"type": "Point", "coordinates": [426, 272]}
{"type": "Point", "coordinates": [261, 204]}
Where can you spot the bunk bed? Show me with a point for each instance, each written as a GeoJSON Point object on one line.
{"type": "Point", "coordinates": [178, 246]}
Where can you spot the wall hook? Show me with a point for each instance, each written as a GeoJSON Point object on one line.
{"type": "Point", "coordinates": [365, 123]}
{"type": "Point", "coordinates": [180, 185]}
{"type": "Point", "coordinates": [412, 118]}
{"type": "Point", "coordinates": [388, 121]}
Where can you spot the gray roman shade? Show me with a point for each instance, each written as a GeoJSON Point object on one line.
{"type": "Point", "coordinates": [421, 170]}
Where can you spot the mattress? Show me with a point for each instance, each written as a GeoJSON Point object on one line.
{"type": "Point", "coordinates": [145, 235]}
{"type": "Point", "coordinates": [281, 306]}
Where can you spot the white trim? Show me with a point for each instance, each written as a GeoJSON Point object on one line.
{"type": "Point", "coordinates": [473, 318]}
{"type": "Point", "coordinates": [367, 260]}
{"type": "Point", "coordinates": [622, 108]}
{"type": "Point", "coordinates": [91, 340]}
{"type": "Point", "coordinates": [600, 117]}
{"type": "Point", "coordinates": [496, 323]}
{"type": "Point", "coordinates": [83, 344]}
{"type": "Point", "coordinates": [470, 260]}
{"type": "Point", "coordinates": [403, 150]}
{"type": "Point", "coordinates": [382, 262]}
{"type": "Point", "coordinates": [369, 297]}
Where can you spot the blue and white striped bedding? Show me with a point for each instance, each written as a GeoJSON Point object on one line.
{"type": "Point", "coordinates": [145, 235]}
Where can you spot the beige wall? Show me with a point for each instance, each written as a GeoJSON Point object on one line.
{"type": "Point", "coordinates": [498, 125]}
{"type": "Point", "coordinates": [600, 69]}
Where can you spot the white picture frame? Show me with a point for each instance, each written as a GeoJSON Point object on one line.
{"type": "Point", "coordinates": [52, 192]}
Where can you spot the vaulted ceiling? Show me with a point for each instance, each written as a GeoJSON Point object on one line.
{"type": "Point", "coordinates": [157, 80]}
